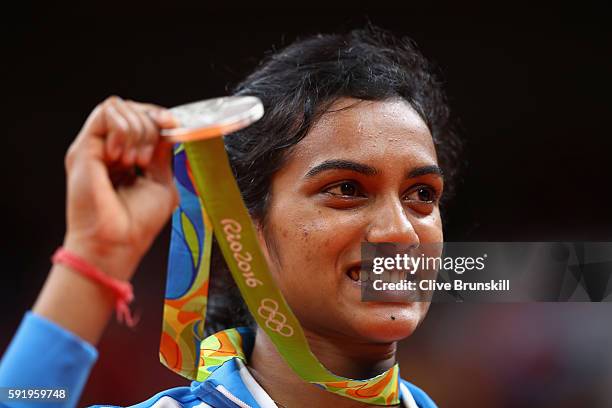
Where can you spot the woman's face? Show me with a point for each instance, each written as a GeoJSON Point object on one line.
{"type": "Point", "coordinates": [365, 173]}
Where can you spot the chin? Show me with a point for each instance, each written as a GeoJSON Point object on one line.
{"type": "Point", "coordinates": [389, 322]}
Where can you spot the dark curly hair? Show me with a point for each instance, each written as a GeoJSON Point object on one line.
{"type": "Point", "coordinates": [297, 85]}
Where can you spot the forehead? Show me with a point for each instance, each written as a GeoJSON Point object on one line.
{"type": "Point", "coordinates": [368, 131]}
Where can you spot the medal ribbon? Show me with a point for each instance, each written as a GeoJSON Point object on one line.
{"type": "Point", "coordinates": [224, 212]}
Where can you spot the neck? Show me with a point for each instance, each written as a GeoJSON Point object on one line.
{"type": "Point", "coordinates": [352, 360]}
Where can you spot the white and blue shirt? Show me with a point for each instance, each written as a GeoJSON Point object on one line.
{"type": "Point", "coordinates": [67, 361]}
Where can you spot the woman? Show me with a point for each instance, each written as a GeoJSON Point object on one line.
{"type": "Point", "coordinates": [355, 145]}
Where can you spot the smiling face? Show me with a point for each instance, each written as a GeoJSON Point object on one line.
{"type": "Point", "coordinates": [366, 171]}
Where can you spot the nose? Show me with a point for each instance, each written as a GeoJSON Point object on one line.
{"type": "Point", "coordinates": [390, 223]}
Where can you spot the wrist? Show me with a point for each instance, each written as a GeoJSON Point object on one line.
{"type": "Point", "coordinates": [117, 261]}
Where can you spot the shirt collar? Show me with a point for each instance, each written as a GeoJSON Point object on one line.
{"type": "Point", "coordinates": [223, 355]}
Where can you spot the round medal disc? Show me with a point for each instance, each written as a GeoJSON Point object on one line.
{"type": "Point", "coordinates": [213, 118]}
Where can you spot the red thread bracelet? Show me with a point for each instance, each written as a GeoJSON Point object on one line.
{"type": "Point", "coordinates": [122, 290]}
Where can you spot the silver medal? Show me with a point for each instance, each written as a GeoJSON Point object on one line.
{"type": "Point", "coordinates": [213, 118]}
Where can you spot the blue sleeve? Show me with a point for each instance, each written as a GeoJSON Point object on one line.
{"type": "Point", "coordinates": [420, 397]}
{"type": "Point", "coordinates": [45, 355]}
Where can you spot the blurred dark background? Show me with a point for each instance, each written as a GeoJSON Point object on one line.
{"type": "Point", "coordinates": [529, 85]}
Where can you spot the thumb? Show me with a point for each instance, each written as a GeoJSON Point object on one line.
{"type": "Point", "coordinates": [160, 168]}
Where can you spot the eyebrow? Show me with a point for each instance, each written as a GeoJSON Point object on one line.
{"type": "Point", "coordinates": [342, 165]}
{"type": "Point", "coordinates": [367, 170]}
{"type": "Point", "coordinates": [421, 171]}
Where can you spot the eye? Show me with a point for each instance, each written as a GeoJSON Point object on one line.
{"type": "Point", "coordinates": [422, 194]}
{"type": "Point", "coordinates": [345, 189]}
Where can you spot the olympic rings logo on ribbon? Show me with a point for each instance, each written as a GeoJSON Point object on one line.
{"type": "Point", "coordinates": [275, 320]}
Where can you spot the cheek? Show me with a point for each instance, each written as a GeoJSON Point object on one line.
{"type": "Point", "coordinates": [429, 229]}
{"type": "Point", "coordinates": [297, 238]}
{"type": "Point", "coordinates": [308, 242]}
{"type": "Point", "coordinates": [311, 244]}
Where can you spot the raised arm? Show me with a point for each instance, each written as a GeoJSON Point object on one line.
{"type": "Point", "coordinates": [120, 193]}
{"type": "Point", "coordinates": [113, 215]}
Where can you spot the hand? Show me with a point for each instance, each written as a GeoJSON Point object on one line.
{"type": "Point", "coordinates": [113, 214]}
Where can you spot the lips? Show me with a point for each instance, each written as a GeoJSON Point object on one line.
{"type": "Point", "coordinates": [353, 273]}
{"type": "Point", "coordinates": [354, 269]}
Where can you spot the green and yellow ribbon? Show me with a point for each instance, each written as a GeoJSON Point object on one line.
{"type": "Point", "coordinates": [223, 212]}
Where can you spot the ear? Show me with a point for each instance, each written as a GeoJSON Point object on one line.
{"type": "Point", "coordinates": [261, 238]}
{"type": "Point", "coordinates": [266, 243]}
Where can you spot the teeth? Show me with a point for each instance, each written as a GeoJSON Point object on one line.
{"type": "Point", "coordinates": [395, 276]}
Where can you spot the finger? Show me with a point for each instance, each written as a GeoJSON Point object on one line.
{"type": "Point", "coordinates": [162, 116]}
{"type": "Point", "coordinates": [118, 129]}
{"type": "Point", "coordinates": [96, 125]}
{"type": "Point", "coordinates": [165, 119]}
{"type": "Point", "coordinates": [133, 136]}
{"type": "Point", "coordinates": [92, 138]}
{"type": "Point", "coordinates": [151, 135]}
